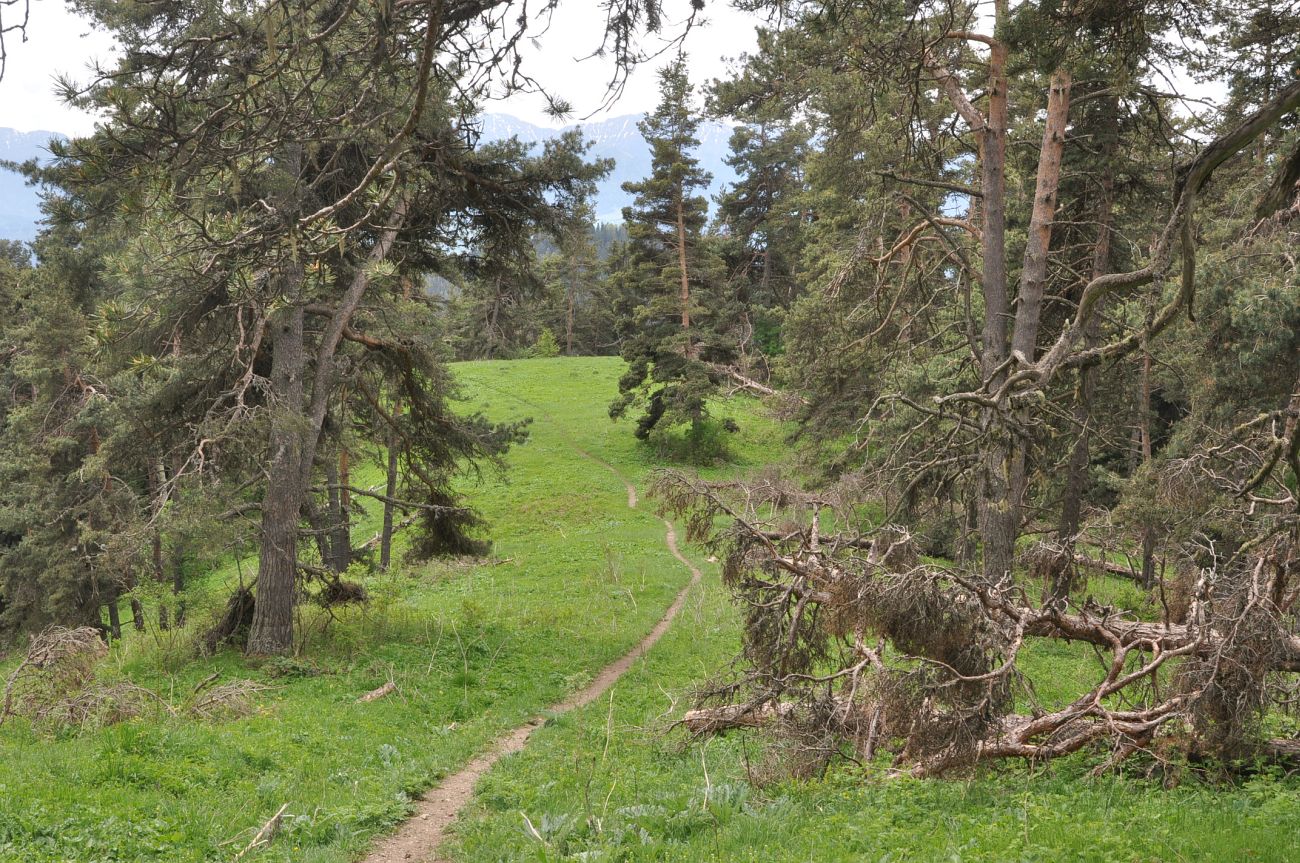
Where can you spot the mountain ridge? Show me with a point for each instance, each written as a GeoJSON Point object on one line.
{"type": "Point", "coordinates": [618, 138]}
{"type": "Point", "coordinates": [20, 204]}
{"type": "Point", "coordinates": [615, 138]}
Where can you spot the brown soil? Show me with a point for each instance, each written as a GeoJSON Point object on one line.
{"type": "Point", "coordinates": [419, 838]}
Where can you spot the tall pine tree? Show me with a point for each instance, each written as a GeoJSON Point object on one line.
{"type": "Point", "coordinates": [679, 333]}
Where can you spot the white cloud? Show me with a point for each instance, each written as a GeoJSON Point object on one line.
{"type": "Point", "coordinates": [60, 42]}
{"type": "Point", "coordinates": [721, 33]}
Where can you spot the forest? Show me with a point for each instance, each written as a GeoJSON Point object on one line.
{"type": "Point", "coordinates": [929, 493]}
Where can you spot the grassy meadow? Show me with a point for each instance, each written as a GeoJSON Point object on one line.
{"type": "Point", "coordinates": [574, 580]}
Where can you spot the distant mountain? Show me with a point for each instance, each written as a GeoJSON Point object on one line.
{"type": "Point", "coordinates": [617, 138]}
{"type": "Point", "coordinates": [19, 203]}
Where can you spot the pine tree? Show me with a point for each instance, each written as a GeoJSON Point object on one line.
{"type": "Point", "coordinates": [761, 219]}
{"type": "Point", "coordinates": [249, 318]}
{"type": "Point", "coordinates": [679, 325]}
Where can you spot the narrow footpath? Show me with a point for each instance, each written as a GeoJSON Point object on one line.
{"type": "Point", "coordinates": [419, 839]}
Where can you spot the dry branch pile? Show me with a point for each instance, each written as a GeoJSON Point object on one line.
{"type": "Point", "coordinates": [233, 699]}
{"type": "Point", "coordinates": [853, 646]}
{"type": "Point", "coordinates": [55, 685]}
{"type": "Point", "coordinates": [59, 663]}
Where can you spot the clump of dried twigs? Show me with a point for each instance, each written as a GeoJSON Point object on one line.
{"type": "Point", "coordinates": [234, 699]}
{"type": "Point", "coordinates": [59, 662]}
{"type": "Point", "coordinates": [55, 685]}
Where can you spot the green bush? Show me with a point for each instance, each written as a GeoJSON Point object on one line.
{"type": "Point", "coordinates": [546, 345]}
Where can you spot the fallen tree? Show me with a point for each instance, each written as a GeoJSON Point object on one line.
{"type": "Point", "coordinates": [854, 646]}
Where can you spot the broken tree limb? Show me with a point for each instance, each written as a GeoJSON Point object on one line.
{"type": "Point", "coordinates": [374, 540]}
{"type": "Point", "coordinates": [375, 694]}
{"type": "Point", "coordinates": [266, 834]}
{"type": "Point", "coordinates": [712, 720]}
{"type": "Point", "coordinates": [1109, 567]}
{"type": "Point", "coordinates": [944, 702]}
{"type": "Point", "coordinates": [747, 383]}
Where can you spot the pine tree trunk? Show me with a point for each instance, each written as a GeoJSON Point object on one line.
{"type": "Point", "coordinates": [137, 610]}
{"type": "Point", "coordinates": [156, 480]}
{"type": "Point", "coordinates": [114, 619]}
{"type": "Point", "coordinates": [340, 539]}
{"type": "Point", "coordinates": [320, 531]}
{"type": "Point", "coordinates": [568, 316]}
{"type": "Point", "coordinates": [390, 482]}
{"type": "Point", "coordinates": [1148, 535]}
{"type": "Point", "coordinates": [295, 435]}
{"type": "Point", "coordinates": [272, 630]}
{"type": "Point", "coordinates": [1029, 303]}
{"type": "Point", "coordinates": [1033, 275]}
{"type": "Point", "coordinates": [968, 552]}
{"type": "Point", "coordinates": [390, 490]}
{"type": "Point", "coordinates": [178, 581]}
{"type": "Point", "coordinates": [999, 517]}
{"type": "Point", "coordinates": [685, 295]}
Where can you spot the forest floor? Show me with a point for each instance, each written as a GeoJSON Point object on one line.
{"type": "Point", "coordinates": [479, 650]}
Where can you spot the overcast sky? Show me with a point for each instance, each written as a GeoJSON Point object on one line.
{"type": "Point", "coordinates": [59, 42]}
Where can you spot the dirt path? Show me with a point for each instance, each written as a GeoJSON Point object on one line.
{"type": "Point", "coordinates": [419, 838]}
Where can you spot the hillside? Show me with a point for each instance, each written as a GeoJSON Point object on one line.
{"type": "Point", "coordinates": [478, 649]}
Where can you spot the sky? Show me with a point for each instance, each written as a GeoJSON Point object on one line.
{"type": "Point", "coordinates": [58, 42]}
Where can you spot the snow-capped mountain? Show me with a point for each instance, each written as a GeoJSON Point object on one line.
{"type": "Point", "coordinates": [618, 138]}
{"type": "Point", "coordinates": [19, 203]}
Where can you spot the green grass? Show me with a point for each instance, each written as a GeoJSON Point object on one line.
{"type": "Point", "coordinates": [611, 782]}
{"type": "Point", "coordinates": [574, 580]}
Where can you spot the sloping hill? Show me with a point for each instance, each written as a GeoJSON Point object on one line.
{"type": "Point", "coordinates": [475, 648]}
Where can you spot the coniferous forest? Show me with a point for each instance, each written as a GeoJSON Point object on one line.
{"type": "Point", "coordinates": [931, 492]}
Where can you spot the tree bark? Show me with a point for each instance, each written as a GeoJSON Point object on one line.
{"type": "Point", "coordinates": [272, 630]}
{"type": "Point", "coordinates": [998, 515]}
{"type": "Point", "coordinates": [1033, 278]}
{"type": "Point", "coordinates": [1144, 419]}
{"type": "Point", "coordinates": [685, 294]}
{"type": "Point", "coordinates": [1033, 275]}
{"type": "Point", "coordinates": [114, 618]}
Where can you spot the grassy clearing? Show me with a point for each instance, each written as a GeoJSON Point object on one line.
{"type": "Point", "coordinates": [576, 578]}
{"type": "Point", "coordinates": [612, 783]}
